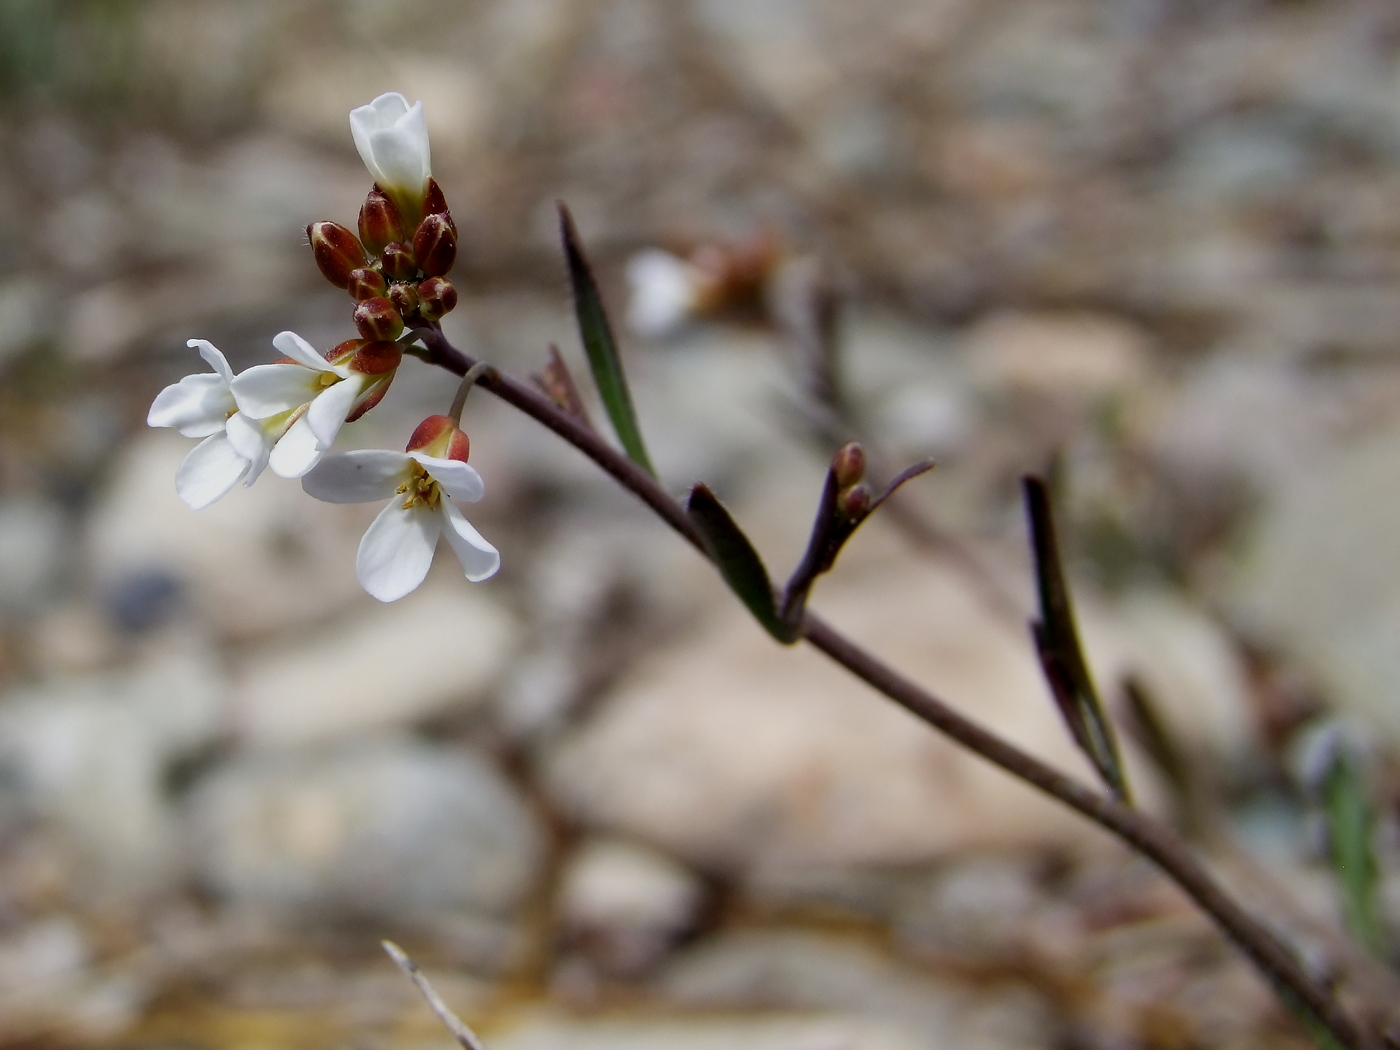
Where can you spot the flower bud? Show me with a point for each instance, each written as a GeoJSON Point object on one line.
{"type": "Point", "coordinates": [377, 319]}
{"type": "Point", "coordinates": [405, 299]}
{"type": "Point", "coordinates": [434, 203]}
{"type": "Point", "coordinates": [855, 502]}
{"type": "Point", "coordinates": [435, 245]}
{"type": "Point", "coordinates": [338, 251]}
{"type": "Point", "coordinates": [380, 223]}
{"type": "Point", "coordinates": [439, 436]}
{"type": "Point", "coordinates": [437, 297]}
{"type": "Point", "coordinates": [848, 465]}
{"type": "Point", "coordinates": [366, 283]}
{"type": "Point", "coordinates": [376, 358]}
{"type": "Point", "coordinates": [399, 263]}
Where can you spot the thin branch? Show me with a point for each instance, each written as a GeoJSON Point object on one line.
{"type": "Point", "coordinates": [464, 1035]}
{"type": "Point", "coordinates": [1147, 836]}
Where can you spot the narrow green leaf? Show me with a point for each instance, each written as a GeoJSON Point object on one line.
{"type": "Point", "coordinates": [597, 335]}
{"type": "Point", "coordinates": [1350, 835]}
{"type": "Point", "coordinates": [1057, 638]}
{"type": "Point", "coordinates": [738, 562]}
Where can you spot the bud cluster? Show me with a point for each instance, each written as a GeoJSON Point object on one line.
{"type": "Point", "coordinates": [396, 274]}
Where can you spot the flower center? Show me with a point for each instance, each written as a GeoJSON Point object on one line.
{"type": "Point", "coordinates": [327, 379]}
{"type": "Point", "coordinates": [419, 488]}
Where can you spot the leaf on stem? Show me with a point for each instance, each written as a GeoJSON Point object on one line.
{"type": "Point", "coordinates": [1335, 771]}
{"type": "Point", "coordinates": [557, 384]}
{"type": "Point", "coordinates": [738, 562]}
{"type": "Point", "coordinates": [1061, 654]}
{"type": "Point", "coordinates": [597, 335]}
{"type": "Point", "coordinates": [907, 474]}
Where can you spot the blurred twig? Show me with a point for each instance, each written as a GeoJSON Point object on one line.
{"type": "Point", "coordinates": [464, 1035]}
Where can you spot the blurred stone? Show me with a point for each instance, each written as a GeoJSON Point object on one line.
{"type": "Point", "coordinates": [1068, 355]}
{"type": "Point", "coordinates": [72, 637]}
{"type": "Point", "coordinates": [34, 545]}
{"type": "Point", "coordinates": [91, 757]}
{"type": "Point", "coordinates": [386, 829]}
{"type": "Point", "coordinates": [733, 752]}
{"type": "Point", "coordinates": [439, 648]}
{"type": "Point", "coordinates": [1186, 661]}
{"type": "Point", "coordinates": [261, 560]}
{"type": "Point", "coordinates": [625, 905]}
{"type": "Point", "coordinates": [973, 908]}
{"type": "Point", "coordinates": [754, 970]}
{"type": "Point", "coordinates": [44, 953]}
{"type": "Point", "coordinates": [804, 1030]}
{"type": "Point", "coordinates": [142, 600]}
{"type": "Point", "coordinates": [1320, 580]}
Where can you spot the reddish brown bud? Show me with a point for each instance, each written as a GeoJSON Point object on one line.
{"type": "Point", "coordinates": [437, 297]}
{"type": "Point", "coordinates": [399, 263]}
{"type": "Point", "coordinates": [848, 465]}
{"type": "Point", "coordinates": [405, 299]}
{"type": "Point", "coordinates": [380, 222]}
{"type": "Point", "coordinates": [376, 319]}
{"type": "Point", "coordinates": [439, 436]}
{"type": "Point", "coordinates": [855, 502]}
{"type": "Point", "coordinates": [435, 245]}
{"type": "Point", "coordinates": [434, 203]}
{"type": "Point", "coordinates": [342, 352]}
{"type": "Point", "coordinates": [366, 283]}
{"type": "Point", "coordinates": [376, 358]}
{"type": "Point", "coordinates": [338, 251]}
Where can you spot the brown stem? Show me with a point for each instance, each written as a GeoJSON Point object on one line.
{"type": "Point", "coordinates": [1147, 836]}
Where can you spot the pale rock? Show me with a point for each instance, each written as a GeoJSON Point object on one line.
{"type": "Point", "coordinates": [733, 752]}
{"type": "Point", "coordinates": [626, 904]}
{"type": "Point", "coordinates": [796, 1030]}
{"type": "Point", "coordinates": [441, 647]}
{"type": "Point", "coordinates": [972, 908]}
{"type": "Point", "coordinates": [1080, 356]}
{"type": "Point", "coordinates": [1320, 580]}
{"type": "Point", "coordinates": [1184, 658]}
{"type": "Point", "coordinates": [91, 757]}
{"type": "Point", "coordinates": [261, 560]}
{"type": "Point", "coordinates": [755, 970]}
{"type": "Point", "coordinates": [389, 829]}
{"type": "Point", "coordinates": [34, 543]}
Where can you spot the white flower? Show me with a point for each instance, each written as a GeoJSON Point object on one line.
{"type": "Point", "coordinates": [316, 395]}
{"type": "Point", "coordinates": [235, 448]}
{"type": "Point", "coordinates": [392, 138]}
{"type": "Point", "coordinates": [397, 549]}
{"type": "Point", "coordinates": [665, 290]}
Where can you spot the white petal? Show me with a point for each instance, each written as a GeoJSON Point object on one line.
{"type": "Point", "coordinates": [302, 352]}
{"type": "Point", "coordinates": [296, 452]}
{"type": "Point", "coordinates": [196, 406]}
{"type": "Point", "coordinates": [662, 292]}
{"type": "Point", "coordinates": [381, 113]}
{"type": "Point", "coordinates": [211, 353]}
{"type": "Point", "coordinates": [209, 471]}
{"type": "Point", "coordinates": [357, 477]}
{"type": "Point", "coordinates": [457, 478]}
{"type": "Point", "coordinates": [400, 158]}
{"type": "Point", "coordinates": [327, 413]}
{"type": "Point", "coordinates": [265, 390]}
{"type": "Point", "coordinates": [479, 559]}
{"type": "Point", "coordinates": [253, 441]}
{"type": "Point", "coordinates": [397, 550]}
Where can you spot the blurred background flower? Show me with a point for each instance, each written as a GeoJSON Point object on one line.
{"type": "Point", "coordinates": [1156, 239]}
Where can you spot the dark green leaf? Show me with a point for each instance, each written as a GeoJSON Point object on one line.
{"type": "Point", "coordinates": [1350, 835]}
{"type": "Point", "coordinates": [601, 347]}
{"type": "Point", "coordinates": [738, 562]}
{"type": "Point", "coordinates": [1062, 655]}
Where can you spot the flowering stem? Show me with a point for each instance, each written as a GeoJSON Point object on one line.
{"type": "Point", "coordinates": [464, 388]}
{"type": "Point", "coordinates": [1147, 836]}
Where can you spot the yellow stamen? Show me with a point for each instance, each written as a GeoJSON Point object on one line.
{"type": "Point", "coordinates": [419, 488]}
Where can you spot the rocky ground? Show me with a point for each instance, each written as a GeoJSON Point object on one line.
{"type": "Point", "coordinates": [1157, 242]}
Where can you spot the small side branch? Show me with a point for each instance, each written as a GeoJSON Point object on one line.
{"type": "Point", "coordinates": [464, 1035]}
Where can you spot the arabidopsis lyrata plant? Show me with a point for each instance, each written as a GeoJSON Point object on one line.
{"type": "Point", "coordinates": [287, 414]}
{"type": "Point", "coordinates": [398, 546]}
{"type": "Point", "coordinates": [236, 446]}
{"type": "Point", "coordinates": [392, 138]}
